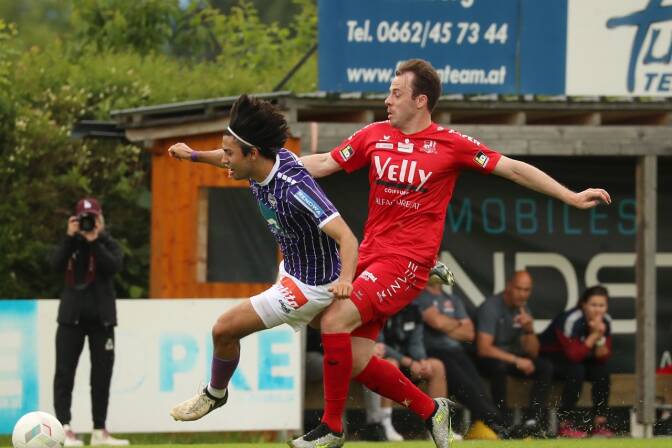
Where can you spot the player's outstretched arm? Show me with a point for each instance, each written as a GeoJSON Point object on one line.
{"type": "Point", "coordinates": [533, 178]}
{"type": "Point", "coordinates": [320, 165]}
{"type": "Point", "coordinates": [347, 247]}
{"type": "Point", "coordinates": [182, 151]}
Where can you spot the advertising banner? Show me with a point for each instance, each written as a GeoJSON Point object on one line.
{"type": "Point", "coordinates": [550, 47]}
{"type": "Point", "coordinates": [163, 355]}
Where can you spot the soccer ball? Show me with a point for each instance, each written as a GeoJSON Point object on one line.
{"type": "Point", "coordinates": [38, 430]}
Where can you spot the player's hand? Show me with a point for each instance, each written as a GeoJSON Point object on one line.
{"type": "Point", "coordinates": [525, 365]}
{"type": "Point", "coordinates": [425, 368]}
{"type": "Point", "coordinates": [525, 320]}
{"type": "Point", "coordinates": [416, 369]}
{"type": "Point", "coordinates": [341, 289]}
{"type": "Point", "coordinates": [590, 198]}
{"type": "Point", "coordinates": [73, 226]}
{"type": "Point", "coordinates": [180, 151]}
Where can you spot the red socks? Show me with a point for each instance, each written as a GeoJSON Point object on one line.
{"type": "Point", "coordinates": [337, 368]}
{"type": "Point", "coordinates": [385, 379]}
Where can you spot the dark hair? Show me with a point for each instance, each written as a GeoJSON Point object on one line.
{"type": "Point", "coordinates": [425, 82]}
{"type": "Point", "coordinates": [259, 123]}
{"type": "Point", "coordinates": [593, 291]}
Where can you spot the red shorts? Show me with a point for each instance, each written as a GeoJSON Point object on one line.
{"type": "Point", "coordinates": [383, 287]}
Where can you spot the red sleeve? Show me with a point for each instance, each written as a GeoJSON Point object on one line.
{"type": "Point", "coordinates": [573, 348]}
{"type": "Point", "coordinates": [352, 153]}
{"type": "Point", "coordinates": [474, 155]}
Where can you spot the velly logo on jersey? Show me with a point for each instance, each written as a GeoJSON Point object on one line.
{"type": "Point", "coordinates": [402, 175]}
{"type": "Point", "coordinates": [346, 152]}
{"type": "Point", "coordinates": [653, 14]}
{"type": "Point", "coordinates": [481, 159]}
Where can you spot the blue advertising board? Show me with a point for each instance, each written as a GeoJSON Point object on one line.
{"type": "Point", "coordinates": [473, 44]}
{"type": "Point", "coordinates": [551, 47]}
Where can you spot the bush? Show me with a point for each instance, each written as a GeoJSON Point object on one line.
{"type": "Point", "coordinates": [120, 54]}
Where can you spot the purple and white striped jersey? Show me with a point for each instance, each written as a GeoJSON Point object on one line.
{"type": "Point", "coordinates": [295, 209]}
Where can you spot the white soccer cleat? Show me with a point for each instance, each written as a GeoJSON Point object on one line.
{"type": "Point", "coordinates": [198, 406]}
{"type": "Point", "coordinates": [439, 425]}
{"type": "Point", "coordinates": [320, 437]}
{"type": "Point", "coordinates": [441, 274]}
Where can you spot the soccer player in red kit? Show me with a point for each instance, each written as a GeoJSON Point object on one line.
{"type": "Point", "coordinates": [413, 165]}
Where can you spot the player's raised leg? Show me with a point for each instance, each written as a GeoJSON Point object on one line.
{"type": "Point", "coordinates": [231, 326]}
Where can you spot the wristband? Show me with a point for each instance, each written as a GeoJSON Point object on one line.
{"type": "Point", "coordinates": [193, 156]}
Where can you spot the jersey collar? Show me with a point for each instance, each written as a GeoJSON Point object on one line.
{"type": "Point", "coordinates": [274, 170]}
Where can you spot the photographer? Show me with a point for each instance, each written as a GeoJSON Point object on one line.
{"type": "Point", "coordinates": [89, 258]}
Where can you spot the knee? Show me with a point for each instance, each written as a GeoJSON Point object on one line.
{"type": "Point", "coordinates": [334, 321]}
{"type": "Point", "coordinates": [222, 332]}
{"type": "Point", "coordinates": [438, 369]}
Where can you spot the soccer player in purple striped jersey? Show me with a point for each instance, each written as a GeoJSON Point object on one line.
{"type": "Point", "coordinates": [318, 247]}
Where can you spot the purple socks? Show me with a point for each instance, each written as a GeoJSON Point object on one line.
{"type": "Point", "coordinates": [221, 371]}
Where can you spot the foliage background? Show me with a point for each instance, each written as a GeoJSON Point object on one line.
{"type": "Point", "coordinates": [66, 61]}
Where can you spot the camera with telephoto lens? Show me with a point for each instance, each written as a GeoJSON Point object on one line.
{"type": "Point", "coordinates": [87, 222]}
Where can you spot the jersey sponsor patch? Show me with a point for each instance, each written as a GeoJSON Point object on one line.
{"type": "Point", "coordinates": [406, 147]}
{"type": "Point", "coordinates": [310, 204]}
{"type": "Point", "coordinates": [384, 145]}
{"type": "Point", "coordinates": [346, 152]}
{"type": "Point", "coordinates": [292, 294]}
{"type": "Point", "coordinates": [481, 159]}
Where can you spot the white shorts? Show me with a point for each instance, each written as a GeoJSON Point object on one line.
{"type": "Point", "coordinates": [291, 302]}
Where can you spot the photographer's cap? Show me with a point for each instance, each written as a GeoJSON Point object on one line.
{"type": "Point", "coordinates": [88, 205]}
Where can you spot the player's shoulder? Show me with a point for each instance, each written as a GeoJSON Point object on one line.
{"type": "Point", "coordinates": [372, 129]}
{"type": "Point", "coordinates": [450, 135]}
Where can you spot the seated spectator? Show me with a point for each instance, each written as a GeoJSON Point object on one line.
{"type": "Point", "coordinates": [507, 345]}
{"type": "Point", "coordinates": [578, 343]}
{"type": "Point", "coordinates": [447, 325]}
{"type": "Point", "coordinates": [404, 347]}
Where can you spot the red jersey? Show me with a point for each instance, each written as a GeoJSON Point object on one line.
{"type": "Point", "coordinates": [411, 179]}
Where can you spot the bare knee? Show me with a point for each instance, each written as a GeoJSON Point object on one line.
{"type": "Point", "coordinates": [339, 318]}
{"type": "Point", "coordinates": [223, 332]}
{"type": "Point", "coordinates": [438, 369]}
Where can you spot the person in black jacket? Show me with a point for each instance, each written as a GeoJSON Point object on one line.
{"type": "Point", "coordinates": [89, 258]}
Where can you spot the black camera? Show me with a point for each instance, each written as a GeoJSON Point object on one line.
{"type": "Point", "coordinates": [87, 222]}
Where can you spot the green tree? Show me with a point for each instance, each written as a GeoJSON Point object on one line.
{"type": "Point", "coordinates": [117, 54]}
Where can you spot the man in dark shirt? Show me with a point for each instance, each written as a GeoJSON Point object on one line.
{"type": "Point", "coordinates": [447, 325]}
{"type": "Point", "coordinates": [507, 345]}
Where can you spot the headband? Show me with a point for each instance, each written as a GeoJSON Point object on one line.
{"type": "Point", "coordinates": [239, 137]}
